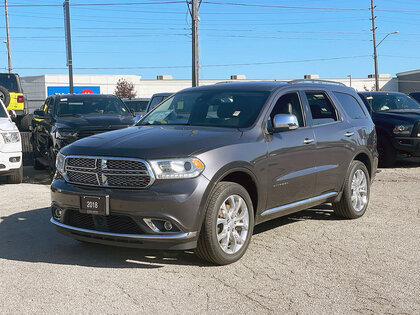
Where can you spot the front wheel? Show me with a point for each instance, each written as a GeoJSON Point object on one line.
{"type": "Point", "coordinates": [17, 177]}
{"type": "Point", "coordinates": [356, 192]}
{"type": "Point", "coordinates": [228, 225]}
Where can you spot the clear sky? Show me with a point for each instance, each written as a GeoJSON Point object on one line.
{"type": "Point", "coordinates": [331, 38]}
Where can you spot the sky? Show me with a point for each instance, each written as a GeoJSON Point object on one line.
{"type": "Point", "coordinates": [261, 39]}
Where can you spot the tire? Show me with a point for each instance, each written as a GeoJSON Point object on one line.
{"type": "Point", "coordinates": [51, 160]}
{"type": "Point", "coordinates": [26, 122]}
{"type": "Point", "coordinates": [4, 96]}
{"type": "Point", "coordinates": [16, 178]}
{"type": "Point", "coordinates": [387, 154]}
{"type": "Point", "coordinates": [208, 246]}
{"type": "Point", "coordinates": [345, 208]}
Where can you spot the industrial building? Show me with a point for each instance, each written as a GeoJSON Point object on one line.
{"type": "Point", "coordinates": [38, 88]}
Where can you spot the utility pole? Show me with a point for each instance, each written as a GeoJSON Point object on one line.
{"type": "Point", "coordinates": [66, 7]}
{"type": "Point", "coordinates": [375, 55]}
{"type": "Point", "coordinates": [9, 56]}
{"type": "Point", "coordinates": [193, 7]}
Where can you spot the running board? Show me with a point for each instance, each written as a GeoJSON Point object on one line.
{"type": "Point", "coordinates": [299, 203]}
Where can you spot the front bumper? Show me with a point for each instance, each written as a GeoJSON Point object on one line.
{"type": "Point", "coordinates": [410, 145]}
{"type": "Point", "coordinates": [179, 241]}
{"type": "Point", "coordinates": [6, 166]}
{"type": "Point", "coordinates": [176, 201]}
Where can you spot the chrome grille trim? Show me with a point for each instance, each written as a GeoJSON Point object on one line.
{"type": "Point", "coordinates": [79, 170]}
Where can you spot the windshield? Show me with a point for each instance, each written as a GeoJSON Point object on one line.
{"type": "Point", "coordinates": [10, 82]}
{"type": "Point", "coordinates": [76, 106]}
{"type": "Point", "coordinates": [384, 102]}
{"type": "Point", "coordinates": [233, 109]}
{"type": "Point", "coordinates": [3, 113]}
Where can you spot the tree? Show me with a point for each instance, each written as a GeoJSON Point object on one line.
{"type": "Point", "coordinates": [125, 89]}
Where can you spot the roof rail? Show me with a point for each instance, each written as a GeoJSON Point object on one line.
{"type": "Point", "coordinates": [316, 81]}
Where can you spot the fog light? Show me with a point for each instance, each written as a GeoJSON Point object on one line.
{"type": "Point", "coordinates": [14, 159]}
{"type": "Point", "coordinates": [57, 213]}
{"type": "Point", "coordinates": [167, 225]}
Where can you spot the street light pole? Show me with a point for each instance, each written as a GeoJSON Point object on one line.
{"type": "Point", "coordinates": [375, 55]}
{"type": "Point", "coordinates": [66, 6]}
{"type": "Point", "coordinates": [9, 56]}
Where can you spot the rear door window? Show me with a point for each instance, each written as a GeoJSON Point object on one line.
{"type": "Point", "coordinates": [322, 109]}
{"type": "Point", "coordinates": [351, 106]}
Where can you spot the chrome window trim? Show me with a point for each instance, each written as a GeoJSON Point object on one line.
{"type": "Point", "coordinates": [148, 168]}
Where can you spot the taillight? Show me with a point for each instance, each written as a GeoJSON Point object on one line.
{"type": "Point", "coordinates": [20, 99]}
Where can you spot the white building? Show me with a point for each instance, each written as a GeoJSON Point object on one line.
{"type": "Point", "coordinates": [38, 88]}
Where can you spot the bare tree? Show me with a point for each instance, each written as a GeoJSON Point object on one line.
{"type": "Point", "coordinates": [125, 89]}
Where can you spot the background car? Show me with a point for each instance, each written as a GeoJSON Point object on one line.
{"type": "Point", "coordinates": [156, 99]}
{"type": "Point", "coordinates": [10, 147]}
{"type": "Point", "coordinates": [64, 119]}
{"type": "Point", "coordinates": [397, 120]}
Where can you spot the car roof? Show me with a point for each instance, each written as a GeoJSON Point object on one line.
{"type": "Point", "coordinates": [380, 93]}
{"type": "Point", "coordinates": [82, 95]}
{"type": "Point", "coordinates": [162, 94]}
{"type": "Point", "coordinates": [270, 86]}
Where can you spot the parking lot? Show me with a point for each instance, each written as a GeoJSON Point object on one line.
{"type": "Point", "coordinates": [309, 262]}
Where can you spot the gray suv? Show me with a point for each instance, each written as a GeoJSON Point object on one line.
{"type": "Point", "coordinates": [209, 163]}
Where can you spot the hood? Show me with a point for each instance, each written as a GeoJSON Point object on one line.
{"type": "Point", "coordinates": [94, 122]}
{"type": "Point", "coordinates": [7, 125]}
{"type": "Point", "coordinates": [154, 142]}
{"type": "Point", "coordinates": [407, 115]}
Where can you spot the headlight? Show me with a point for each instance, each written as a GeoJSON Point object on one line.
{"type": "Point", "coordinates": [60, 162]}
{"type": "Point", "coordinates": [177, 168]}
{"type": "Point", "coordinates": [11, 137]}
{"type": "Point", "coordinates": [403, 130]}
{"type": "Point", "coordinates": [63, 133]}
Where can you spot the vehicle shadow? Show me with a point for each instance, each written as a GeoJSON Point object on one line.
{"type": "Point", "coordinates": [408, 163]}
{"type": "Point", "coordinates": [32, 176]}
{"type": "Point", "coordinates": [322, 212]}
{"type": "Point", "coordinates": [29, 236]}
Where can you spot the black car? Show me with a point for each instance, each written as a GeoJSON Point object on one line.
{"type": "Point", "coordinates": [156, 99]}
{"type": "Point", "coordinates": [416, 96]}
{"type": "Point", "coordinates": [137, 105]}
{"type": "Point", "coordinates": [64, 119]}
{"type": "Point", "coordinates": [206, 165]}
{"type": "Point", "coordinates": [397, 120]}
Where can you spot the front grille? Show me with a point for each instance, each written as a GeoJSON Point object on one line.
{"type": "Point", "coordinates": [108, 172]}
{"type": "Point", "coordinates": [114, 223]}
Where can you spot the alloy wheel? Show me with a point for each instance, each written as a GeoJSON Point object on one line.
{"type": "Point", "coordinates": [359, 197]}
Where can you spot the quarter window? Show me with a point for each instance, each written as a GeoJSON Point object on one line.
{"type": "Point", "coordinates": [351, 106]}
{"type": "Point", "coordinates": [322, 109]}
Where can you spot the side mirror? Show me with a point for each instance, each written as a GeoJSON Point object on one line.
{"type": "Point", "coordinates": [12, 114]}
{"type": "Point", "coordinates": [285, 122]}
{"type": "Point", "coordinates": [39, 113]}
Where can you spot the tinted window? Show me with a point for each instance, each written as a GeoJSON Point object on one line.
{"type": "Point", "coordinates": [137, 106]}
{"type": "Point", "coordinates": [218, 108]}
{"type": "Point", "coordinates": [350, 105]}
{"type": "Point", "coordinates": [98, 105]}
{"type": "Point", "coordinates": [289, 104]}
{"type": "Point", "coordinates": [155, 100]}
{"type": "Point", "coordinates": [383, 102]}
{"type": "Point", "coordinates": [416, 96]}
{"type": "Point", "coordinates": [322, 109]}
{"type": "Point", "coordinates": [10, 82]}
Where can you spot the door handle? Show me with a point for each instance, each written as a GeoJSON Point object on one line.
{"type": "Point", "coordinates": [349, 134]}
{"type": "Point", "coordinates": [308, 141]}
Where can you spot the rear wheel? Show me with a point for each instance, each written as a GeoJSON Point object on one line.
{"type": "Point", "coordinates": [355, 198]}
{"type": "Point", "coordinates": [17, 177]}
{"type": "Point", "coordinates": [228, 225]}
